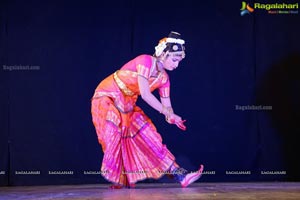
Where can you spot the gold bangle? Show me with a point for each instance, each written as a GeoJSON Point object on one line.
{"type": "Point", "coordinates": [167, 111]}
{"type": "Point", "coordinates": [170, 110]}
{"type": "Point", "coordinates": [163, 108]}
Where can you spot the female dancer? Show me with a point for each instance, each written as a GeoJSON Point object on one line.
{"type": "Point", "coordinates": [133, 149]}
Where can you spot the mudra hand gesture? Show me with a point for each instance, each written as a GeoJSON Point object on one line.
{"type": "Point", "coordinates": [172, 118]}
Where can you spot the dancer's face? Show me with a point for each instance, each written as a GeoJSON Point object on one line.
{"type": "Point", "coordinates": [171, 61]}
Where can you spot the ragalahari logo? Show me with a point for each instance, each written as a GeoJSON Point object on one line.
{"type": "Point", "coordinates": [246, 9]}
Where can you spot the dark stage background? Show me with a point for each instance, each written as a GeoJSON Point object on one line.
{"type": "Point", "coordinates": [232, 61]}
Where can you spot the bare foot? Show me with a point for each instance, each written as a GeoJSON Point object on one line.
{"type": "Point", "coordinates": [192, 177]}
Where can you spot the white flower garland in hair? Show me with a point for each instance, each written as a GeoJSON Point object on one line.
{"type": "Point", "coordinates": [160, 48]}
{"type": "Point", "coordinates": [176, 41]}
{"type": "Point", "coordinates": [163, 44]}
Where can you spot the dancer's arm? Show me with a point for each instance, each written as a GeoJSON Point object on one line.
{"type": "Point", "coordinates": [173, 118]}
{"type": "Point", "coordinates": [146, 94]}
{"type": "Point", "coordinates": [166, 101]}
{"type": "Point", "coordinates": [151, 100]}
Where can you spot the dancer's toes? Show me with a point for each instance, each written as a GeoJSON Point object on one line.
{"type": "Point", "coordinates": [192, 177]}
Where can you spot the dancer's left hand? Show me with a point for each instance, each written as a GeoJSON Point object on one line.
{"type": "Point", "coordinates": [175, 119]}
{"type": "Point", "coordinates": [180, 124]}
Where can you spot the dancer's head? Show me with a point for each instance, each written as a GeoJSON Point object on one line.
{"type": "Point", "coordinates": [170, 50]}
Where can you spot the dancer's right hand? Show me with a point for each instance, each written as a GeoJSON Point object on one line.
{"type": "Point", "coordinates": [181, 125]}
{"type": "Point", "coordinates": [175, 119]}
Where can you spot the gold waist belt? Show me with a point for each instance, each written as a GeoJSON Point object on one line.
{"type": "Point", "coordinates": [122, 85]}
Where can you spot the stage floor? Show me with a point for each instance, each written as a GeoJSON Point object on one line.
{"type": "Point", "coordinates": [222, 191]}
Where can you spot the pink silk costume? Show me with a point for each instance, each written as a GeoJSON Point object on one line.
{"type": "Point", "coordinates": [133, 149]}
